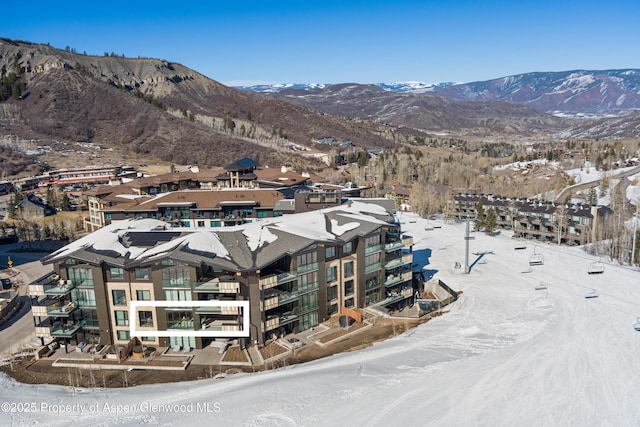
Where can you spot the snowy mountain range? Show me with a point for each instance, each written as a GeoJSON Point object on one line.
{"type": "Point", "coordinates": [587, 92]}
{"type": "Point", "coordinates": [398, 87]}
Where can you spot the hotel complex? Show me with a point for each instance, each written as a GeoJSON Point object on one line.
{"type": "Point", "coordinates": [185, 287]}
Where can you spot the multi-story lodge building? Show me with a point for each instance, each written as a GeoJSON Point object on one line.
{"type": "Point", "coordinates": [572, 224]}
{"type": "Point", "coordinates": [240, 194]}
{"type": "Point", "coordinates": [253, 281]}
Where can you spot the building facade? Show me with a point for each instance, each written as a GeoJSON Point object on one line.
{"type": "Point", "coordinates": [277, 277]}
{"type": "Point", "coordinates": [572, 224]}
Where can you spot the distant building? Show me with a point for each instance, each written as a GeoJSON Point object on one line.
{"type": "Point", "coordinates": [32, 206]}
{"type": "Point", "coordinates": [573, 224]}
{"type": "Point", "coordinates": [400, 194]}
{"type": "Point", "coordinates": [203, 199]}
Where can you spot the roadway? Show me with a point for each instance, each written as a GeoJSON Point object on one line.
{"type": "Point", "coordinates": [18, 333]}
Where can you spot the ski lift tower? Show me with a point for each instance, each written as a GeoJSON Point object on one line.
{"type": "Point", "coordinates": [467, 237]}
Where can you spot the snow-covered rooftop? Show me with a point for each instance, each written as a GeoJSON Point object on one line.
{"type": "Point", "coordinates": [269, 239]}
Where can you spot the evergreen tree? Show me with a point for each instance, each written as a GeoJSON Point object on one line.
{"type": "Point", "coordinates": [490, 222]}
{"type": "Point", "coordinates": [480, 215]}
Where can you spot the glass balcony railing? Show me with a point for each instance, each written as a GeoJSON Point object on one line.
{"type": "Point", "coordinates": [176, 283]}
{"type": "Point", "coordinates": [388, 247]}
{"type": "Point", "coordinates": [373, 267]}
{"type": "Point", "coordinates": [62, 310]}
{"type": "Point", "coordinates": [180, 324]}
{"type": "Point", "coordinates": [277, 299]}
{"type": "Point", "coordinates": [372, 284]}
{"type": "Point", "coordinates": [287, 276]}
{"type": "Point", "coordinates": [392, 279]}
{"type": "Point", "coordinates": [307, 268]}
{"type": "Point", "coordinates": [64, 331]}
{"type": "Point", "coordinates": [372, 249]}
{"type": "Point", "coordinates": [397, 262]}
{"type": "Point", "coordinates": [54, 288]}
{"type": "Point", "coordinates": [224, 284]}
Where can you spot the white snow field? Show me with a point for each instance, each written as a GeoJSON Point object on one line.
{"type": "Point", "coordinates": [505, 354]}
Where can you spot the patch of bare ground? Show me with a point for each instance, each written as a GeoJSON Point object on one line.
{"type": "Point", "coordinates": [336, 333]}
{"type": "Point", "coordinates": [234, 354]}
{"type": "Point", "coordinates": [271, 349]}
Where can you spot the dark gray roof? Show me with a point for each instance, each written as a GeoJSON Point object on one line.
{"type": "Point", "coordinates": [242, 165]}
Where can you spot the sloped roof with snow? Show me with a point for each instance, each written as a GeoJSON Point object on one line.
{"type": "Point", "coordinates": [135, 242]}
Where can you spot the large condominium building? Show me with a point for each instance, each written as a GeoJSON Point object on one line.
{"type": "Point", "coordinates": [573, 224]}
{"type": "Point", "coordinates": [185, 287]}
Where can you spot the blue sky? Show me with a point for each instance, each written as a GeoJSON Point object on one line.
{"type": "Point", "coordinates": [344, 41]}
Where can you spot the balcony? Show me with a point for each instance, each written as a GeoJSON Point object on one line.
{"type": "Point", "coordinates": [287, 276]}
{"type": "Point", "coordinates": [268, 282]}
{"type": "Point", "coordinates": [373, 267]}
{"type": "Point", "coordinates": [276, 299]}
{"type": "Point", "coordinates": [225, 311]}
{"type": "Point", "coordinates": [53, 288]}
{"type": "Point", "coordinates": [388, 247]}
{"type": "Point", "coordinates": [221, 325]}
{"type": "Point", "coordinates": [224, 285]}
{"type": "Point", "coordinates": [306, 268]}
{"type": "Point", "coordinates": [181, 324]}
{"type": "Point", "coordinates": [397, 262]}
{"type": "Point", "coordinates": [392, 279]}
{"type": "Point", "coordinates": [373, 249]}
{"type": "Point", "coordinates": [396, 296]}
{"type": "Point", "coordinates": [54, 310]}
{"type": "Point", "coordinates": [404, 242]}
{"type": "Point", "coordinates": [57, 330]}
{"type": "Point", "coordinates": [275, 321]}
{"type": "Point", "coordinates": [372, 284]}
{"type": "Point", "coordinates": [176, 283]}
{"type": "Point", "coordinates": [307, 308]}
{"type": "Point", "coordinates": [274, 280]}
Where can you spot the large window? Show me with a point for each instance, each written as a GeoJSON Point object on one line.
{"type": "Point", "coordinates": [85, 297]}
{"type": "Point", "coordinates": [308, 281]}
{"type": "Point", "coordinates": [142, 273]}
{"type": "Point", "coordinates": [373, 240]}
{"type": "Point", "coordinates": [146, 318]}
{"type": "Point", "coordinates": [308, 320]}
{"type": "Point", "coordinates": [81, 276]}
{"type": "Point", "coordinates": [176, 277]}
{"type": "Point", "coordinates": [122, 318]}
{"type": "Point", "coordinates": [176, 295]}
{"type": "Point", "coordinates": [119, 297]}
{"type": "Point", "coordinates": [372, 259]}
{"type": "Point", "coordinates": [332, 293]}
{"type": "Point", "coordinates": [348, 288]}
{"type": "Point", "coordinates": [332, 274]}
{"type": "Point", "coordinates": [347, 248]}
{"type": "Point", "coordinates": [330, 252]}
{"type": "Point", "coordinates": [309, 302]}
{"type": "Point", "coordinates": [143, 295]}
{"type": "Point", "coordinates": [348, 269]}
{"type": "Point", "coordinates": [306, 259]}
{"type": "Point", "coordinates": [179, 320]}
{"type": "Point", "coordinates": [116, 273]}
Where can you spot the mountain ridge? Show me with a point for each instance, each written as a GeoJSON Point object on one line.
{"type": "Point", "coordinates": [587, 92]}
